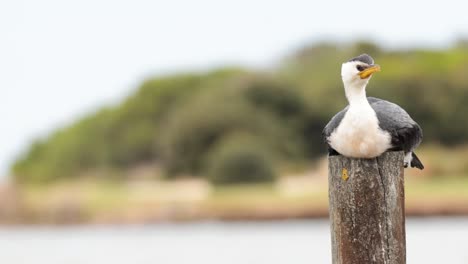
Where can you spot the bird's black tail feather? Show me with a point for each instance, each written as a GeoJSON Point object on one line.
{"type": "Point", "coordinates": [415, 162]}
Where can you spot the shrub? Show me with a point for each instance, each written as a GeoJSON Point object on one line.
{"type": "Point", "coordinates": [193, 131]}
{"type": "Point", "coordinates": [240, 159]}
{"type": "Point", "coordinates": [280, 99]}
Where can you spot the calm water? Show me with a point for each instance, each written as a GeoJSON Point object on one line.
{"type": "Point", "coordinates": [297, 242]}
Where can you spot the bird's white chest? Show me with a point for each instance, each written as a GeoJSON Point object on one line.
{"type": "Point", "coordinates": [358, 135]}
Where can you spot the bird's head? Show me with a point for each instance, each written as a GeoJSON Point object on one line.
{"type": "Point", "coordinates": [357, 71]}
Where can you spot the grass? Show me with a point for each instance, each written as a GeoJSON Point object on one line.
{"type": "Point", "coordinates": [143, 201]}
{"type": "Point", "coordinates": [448, 187]}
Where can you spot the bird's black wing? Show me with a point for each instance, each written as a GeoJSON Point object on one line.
{"type": "Point", "coordinates": [405, 132]}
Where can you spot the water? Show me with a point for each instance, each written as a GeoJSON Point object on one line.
{"type": "Point", "coordinates": [441, 240]}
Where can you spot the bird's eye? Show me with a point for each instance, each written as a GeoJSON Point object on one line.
{"type": "Point", "coordinates": [360, 68]}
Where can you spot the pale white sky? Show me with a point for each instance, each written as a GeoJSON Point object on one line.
{"type": "Point", "coordinates": [62, 59]}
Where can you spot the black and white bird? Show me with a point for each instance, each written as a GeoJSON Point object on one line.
{"type": "Point", "coordinates": [369, 126]}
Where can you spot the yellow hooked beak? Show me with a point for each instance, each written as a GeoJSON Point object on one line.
{"type": "Point", "coordinates": [369, 71]}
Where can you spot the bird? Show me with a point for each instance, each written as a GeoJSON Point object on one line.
{"type": "Point", "coordinates": [369, 126]}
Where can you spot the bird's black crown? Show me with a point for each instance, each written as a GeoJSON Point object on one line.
{"type": "Point", "coordinates": [364, 58]}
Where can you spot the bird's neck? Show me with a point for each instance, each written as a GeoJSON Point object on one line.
{"type": "Point", "coordinates": [356, 95]}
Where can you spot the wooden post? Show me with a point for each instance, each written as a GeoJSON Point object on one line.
{"type": "Point", "coordinates": [367, 210]}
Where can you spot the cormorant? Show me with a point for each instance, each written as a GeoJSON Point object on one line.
{"type": "Point", "coordinates": [369, 126]}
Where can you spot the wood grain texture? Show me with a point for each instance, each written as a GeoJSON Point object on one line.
{"type": "Point", "coordinates": [367, 209]}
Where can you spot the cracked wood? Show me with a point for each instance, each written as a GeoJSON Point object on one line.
{"type": "Point", "coordinates": [367, 209]}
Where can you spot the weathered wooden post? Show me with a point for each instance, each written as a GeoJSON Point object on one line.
{"type": "Point", "coordinates": [367, 209]}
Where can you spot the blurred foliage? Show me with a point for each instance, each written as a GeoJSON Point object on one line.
{"type": "Point", "coordinates": [193, 130]}
{"type": "Point", "coordinates": [240, 158]}
{"type": "Point", "coordinates": [443, 162]}
{"type": "Point", "coordinates": [180, 121]}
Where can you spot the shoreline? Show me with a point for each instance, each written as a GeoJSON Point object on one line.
{"type": "Point", "coordinates": [240, 216]}
{"type": "Point", "coordinates": [153, 202]}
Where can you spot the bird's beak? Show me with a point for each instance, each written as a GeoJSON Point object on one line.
{"type": "Point", "coordinates": [369, 71]}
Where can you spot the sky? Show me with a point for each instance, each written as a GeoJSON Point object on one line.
{"type": "Point", "coordinates": [60, 60]}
